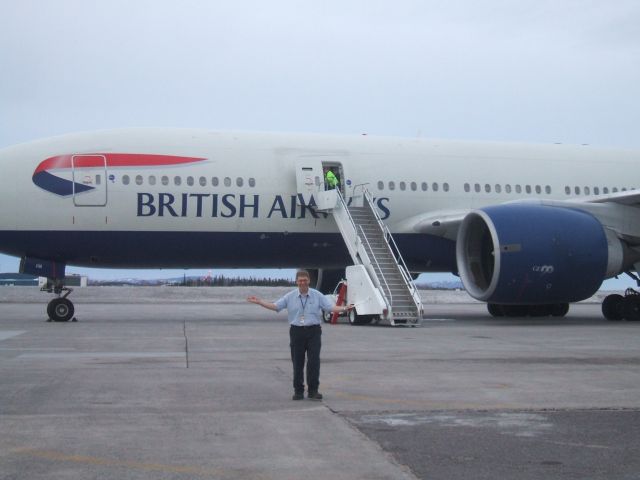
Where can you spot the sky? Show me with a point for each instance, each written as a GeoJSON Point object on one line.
{"type": "Point", "coordinates": [533, 70]}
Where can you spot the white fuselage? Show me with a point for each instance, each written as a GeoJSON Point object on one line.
{"type": "Point", "coordinates": [243, 189]}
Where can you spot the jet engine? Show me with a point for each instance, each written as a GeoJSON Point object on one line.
{"type": "Point", "coordinates": [325, 280]}
{"type": "Point", "coordinates": [535, 254]}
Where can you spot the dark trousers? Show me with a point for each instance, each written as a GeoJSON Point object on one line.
{"type": "Point", "coordinates": [305, 341]}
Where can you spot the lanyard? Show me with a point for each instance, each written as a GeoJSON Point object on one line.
{"type": "Point", "coordinates": [304, 305]}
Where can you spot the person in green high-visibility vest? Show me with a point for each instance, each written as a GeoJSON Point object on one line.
{"type": "Point", "coordinates": [331, 180]}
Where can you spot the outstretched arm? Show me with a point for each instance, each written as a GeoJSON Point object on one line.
{"type": "Point", "coordinates": [262, 303]}
{"type": "Point", "coordinates": [341, 308]}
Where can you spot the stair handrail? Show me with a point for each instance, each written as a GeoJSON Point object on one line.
{"type": "Point", "coordinates": [346, 208]}
{"type": "Point", "coordinates": [379, 273]}
{"type": "Point", "coordinates": [397, 255]}
{"type": "Point", "coordinates": [362, 186]}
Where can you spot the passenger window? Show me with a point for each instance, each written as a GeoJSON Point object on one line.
{"type": "Point", "coordinates": [507, 188]}
{"type": "Point", "coordinates": [614, 190]}
{"type": "Point", "coordinates": [476, 187]}
{"type": "Point", "coordinates": [177, 180]}
{"type": "Point", "coordinates": [190, 181]}
{"type": "Point", "coordinates": [577, 190]}
{"type": "Point", "coordinates": [434, 187]}
{"type": "Point", "coordinates": [567, 190]}
{"type": "Point", "coordinates": [165, 180]}
{"type": "Point", "coordinates": [203, 181]}
{"type": "Point", "coordinates": [227, 181]}
{"type": "Point", "coordinates": [239, 181]}
{"type": "Point", "coordinates": [538, 189]}
{"type": "Point", "coordinates": [445, 186]}
{"type": "Point", "coordinates": [467, 187]}
{"type": "Point", "coordinates": [487, 188]}
{"type": "Point", "coordinates": [518, 189]}
{"type": "Point", "coordinates": [587, 190]}
{"type": "Point", "coordinates": [528, 188]}
{"type": "Point", "coordinates": [380, 185]}
{"type": "Point", "coordinates": [152, 179]}
{"type": "Point", "coordinates": [547, 189]}
{"type": "Point", "coordinates": [596, 190]}
{"type": "Point", "coordinates": [125, 179]}
{"type": "Point", "coordinates": [414, 186]}
{"type": "Point", "coordinates": [498, 188]}
{"type": "Point", "coordinates": [605, 190]}
{"type": "Point", "coordinates": [215, 181]}
{"type": "Point", "coordinates": [392, 186]}
{"type": "Point", "coordinates": [403, 186]}
{"type": "Point", "coordinates": [138, 179]}
{"type": "Point", "coordinates": [252, 182]}
{"type": "Point", "coordinates": [425, 186]}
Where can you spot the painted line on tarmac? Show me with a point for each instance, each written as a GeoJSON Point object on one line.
{"type": "Point", "coordinates": [6, 334]}
{"type": "Point", "coordinates": [72, 355]}
{"type": "Point", "coordinates": [54, 456]}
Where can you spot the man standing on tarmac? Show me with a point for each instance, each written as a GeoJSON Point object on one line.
{"type": "Point", "coordinates": [304, 307]}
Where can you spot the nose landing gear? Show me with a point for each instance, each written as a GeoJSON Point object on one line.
{"type": "Point", "coordinates": [60, 309]}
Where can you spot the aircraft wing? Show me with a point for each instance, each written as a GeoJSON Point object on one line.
{"type": "Point", "coordinates": [440, 223]}
{"type": "Point", "coordinates": [623, 198]}
{"type": "Point", "coordinates": [618, 212]}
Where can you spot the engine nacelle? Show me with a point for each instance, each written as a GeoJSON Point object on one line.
{"type": "Point", "coordinates": [534, 254]}
{"type": "Point", "coordinates": [325, 280]}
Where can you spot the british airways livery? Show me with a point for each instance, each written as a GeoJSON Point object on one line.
{"type": "Point", "coordinates": [528, 228]}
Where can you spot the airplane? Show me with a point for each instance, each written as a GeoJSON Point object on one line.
{"type": "Point", "coordinates": [528, 228]}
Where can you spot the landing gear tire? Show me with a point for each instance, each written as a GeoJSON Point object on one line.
{"type": "Point", "coordinates": [515, 310]}
{"type": "Point", "coordinates": [631, 307]}
{"type": "Point", "coordinates": [539, 310]}
{"type": "Point", "coordinates": [559, 309]}
{"type": "Point", "coordinates": [553, 309]}
{"type": "Point", "coordinates": [612, 307]}
{"type": "Point", "coordinates": [326, 317]}
{"type": "Point", "coordinates": [353, 317]}
{"type": "Point", "coordinates": [60, 310]}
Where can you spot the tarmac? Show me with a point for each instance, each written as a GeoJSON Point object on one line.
{"type": "Point", "coordinates": [195, 383]}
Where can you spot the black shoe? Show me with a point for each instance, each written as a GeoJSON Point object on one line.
{"type": "Point", "coordinates": [314, 396]}
{"type": "Point", "coordinates": [297, 396]}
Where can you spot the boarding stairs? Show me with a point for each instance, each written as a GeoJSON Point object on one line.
{"type": "Point", "coordinates": [371, 245]}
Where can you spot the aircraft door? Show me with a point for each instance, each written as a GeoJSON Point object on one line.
{"type": "Point", "coordinates": [309, 178]}
{"type": "Point", "coordinates": [89, 180]}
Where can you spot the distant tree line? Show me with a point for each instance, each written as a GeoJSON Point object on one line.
{"type": "Point", "coordinates": [222, 281]}
{"type": "Point", "coordinates": [217, 281]}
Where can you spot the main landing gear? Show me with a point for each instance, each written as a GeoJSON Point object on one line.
{"type": "Point", "coordinates": [555, 310]}
{"type": "Point", "coordinates": [618, 307]}
{"type": "Point", "coordinates": [623, 307]}
{"type": "Point", "coordinates": [60, 309]}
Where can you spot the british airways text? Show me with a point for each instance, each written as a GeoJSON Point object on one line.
{"type": "Point", "coordinates": [214, 205]}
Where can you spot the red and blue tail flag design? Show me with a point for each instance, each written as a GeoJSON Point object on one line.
{"type": "Point", "coordinates": [45, 179]}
